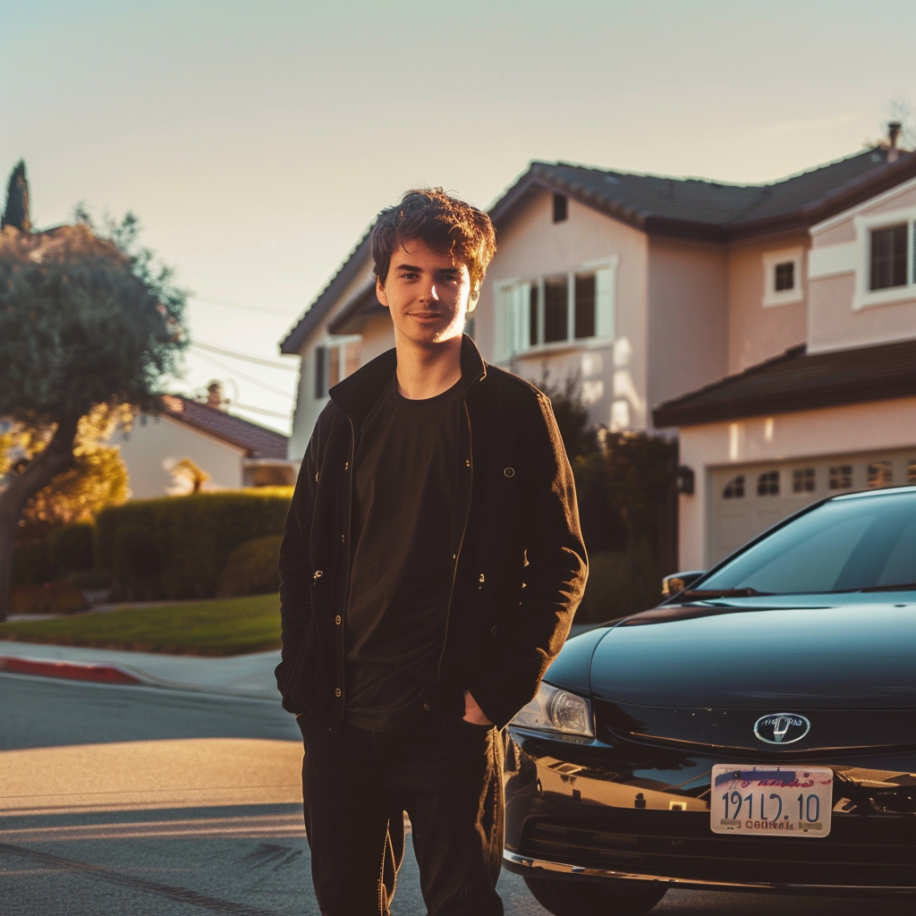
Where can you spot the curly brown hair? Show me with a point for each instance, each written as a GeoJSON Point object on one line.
{"type": "Point", "coordinates": [442, 222]}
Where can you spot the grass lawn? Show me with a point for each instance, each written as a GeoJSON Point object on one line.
{"type": "Point", "coordinates": [221, 626]}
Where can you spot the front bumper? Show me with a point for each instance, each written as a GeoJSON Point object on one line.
{"type": "Point", "coordinates": [639, 811]}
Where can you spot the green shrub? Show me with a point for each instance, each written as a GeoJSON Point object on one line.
{"type": "Point", "coordinates": [135, 557]}
{"type": "Point", "coordinates": [50, 598]}
{"type": "Point", "coordinates": [252, 568]}
{"type": "Point", "coordinates": [71, 547]}
{"type": "Point", "coordinates": [92, 580]}
{"type": "Point", "coordinates": [193, 535]}
{"type": "Point", "coordinates": [32, 563]}
{"type": "Point", "coordinates": [620, 582]}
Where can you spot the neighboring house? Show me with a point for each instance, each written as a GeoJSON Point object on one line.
{"type": "Point", "coordinates": [234, 452]}
{"type": "Point", "coordinates": [833, 414]}
{"type": "Point", "coordinates": [645, 288]}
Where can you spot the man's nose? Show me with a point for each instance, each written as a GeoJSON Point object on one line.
{"type": "Point", "coordinates": [431, 292]}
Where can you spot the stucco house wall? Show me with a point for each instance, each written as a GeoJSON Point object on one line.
{"type": "Point", "coordinates": [308, 405]}
{"type": "Point", "coordinates": [843, 312]}
{"type": "Point", "coordinates": [155, 444]}
{"type": "Point", "coordinates": [758, 330]}
{"type": "Point", "coordinates": [613, 369]}
{"type": "Point", "coordinates": [687, 313]}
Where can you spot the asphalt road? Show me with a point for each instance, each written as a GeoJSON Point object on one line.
{"type": "Point", "coordinates": [137, 801]}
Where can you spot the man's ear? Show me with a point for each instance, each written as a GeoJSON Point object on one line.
{"type": "Point", "coordinates": [380, 293]}
{"type": "Point", "coordinates": [473, 299]}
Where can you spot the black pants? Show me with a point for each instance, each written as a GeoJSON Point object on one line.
{"type": "Point", "coordinates": [357, 784]}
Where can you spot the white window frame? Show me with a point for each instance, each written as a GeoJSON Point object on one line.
{"type": "Point", "coordinates": [864, 226]}
{"type": "Point", "coordinates": [335, 346]}
{"type": "Point", "coordinates": [771, 297]}
{"type": "Point", "coordinates": [512, 317]}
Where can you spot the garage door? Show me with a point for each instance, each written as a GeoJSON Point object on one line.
{"type": "Point", "coordinates": [747, 500]}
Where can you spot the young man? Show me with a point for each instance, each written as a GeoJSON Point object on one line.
{"type": "Point", "coordinates": [430, 568]}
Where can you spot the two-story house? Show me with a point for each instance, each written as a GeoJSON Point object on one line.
{"type": "Point", "coordinates": [642, 287]}
{"type": "Point", "coordinates": [836, 412]}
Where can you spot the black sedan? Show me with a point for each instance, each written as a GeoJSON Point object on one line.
{"type": "Point", "coordinates": [756, 731]}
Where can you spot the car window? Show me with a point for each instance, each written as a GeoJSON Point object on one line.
{"type": "Point", "coordinates": [841, 545]}
{"type": "Point", "coordinates": [901, 563]}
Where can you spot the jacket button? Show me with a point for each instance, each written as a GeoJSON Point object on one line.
{"type": "Point", "coordinates": [482, 578]}
{"type": "Point", "coordinates": [346, 465]}
{"type": "Point", "coordinates": [343, 539]}
{"type": "Point", "coordinates": [493, 631]}
{"type": "Point", "coordinates": [318, 574]}
{"type": "Point", "coordinates": [509, 472]}
{"type": "Point", "coordinates": [337, 692]}
{"type": "Point", "coordinates": [467, 462]}
{"type": "Point", "coordinates": [337, 620]}
{"type": "Point", "coordinates": [426, 707]}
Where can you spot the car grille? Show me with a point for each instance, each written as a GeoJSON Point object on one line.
{"type": "Point", "coordinates": [868, 853]}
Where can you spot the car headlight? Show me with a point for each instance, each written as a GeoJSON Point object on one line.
{"type": "Point", "coordinates": [555, 710]}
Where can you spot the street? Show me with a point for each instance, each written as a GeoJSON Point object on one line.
{"type": "Point", "coordinates": [136, 801]}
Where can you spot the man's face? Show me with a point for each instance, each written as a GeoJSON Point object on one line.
{"type": "Point", "coordinates": [428, 294]}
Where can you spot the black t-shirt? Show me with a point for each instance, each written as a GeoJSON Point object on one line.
{"type": "Point", "coordinates": [406, 470]}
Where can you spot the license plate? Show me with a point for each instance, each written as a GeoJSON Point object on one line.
{"type": "Point", "coordinates": [788, 801]}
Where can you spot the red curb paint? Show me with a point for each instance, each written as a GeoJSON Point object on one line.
{"type": "Point", "coordinates": [105, 674]}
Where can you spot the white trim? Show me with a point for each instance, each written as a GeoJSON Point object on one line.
{"type": "Point", "coordinates": [847, 215]}
{"type": "Point", "coordinates": [830, 260]}
{"type": "Point", "coordinates": [787, 296]}
{"type": "Point", "coordinates": [865, 297]}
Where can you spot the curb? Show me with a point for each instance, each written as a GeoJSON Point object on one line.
{"type": "Point", "coordinates": [104, 674]}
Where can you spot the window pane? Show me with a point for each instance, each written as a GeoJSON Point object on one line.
{"type": "Point", "coordinates": [585, 306]}
{"type": "Point", "coordinates": [880, 474]}
{"type": "Point", "coordinates": [803, 480]}
{"type": "Point", "coordinates": [785, 276]}
{"type": "Point", "coordinates": [734, 489]}
{"type": "Point", "coordinates": [351, 359]}
{"type": "Point", "coordinates": [321, 361]}
{"type": "Point", "coordinates": [556, 308]}
{"type": "Point", "coordinates": [841, 477]}
{"type": "Point", "coordinates": [333, 366]}
{"type": "Point", "coordinates": [888, 257]}
{"type": "Point", "coordinates": [533, 340]}
{"type": "Point", "coordinates": [768, 484]}
{"type": "Point", "coordinates": [560, 208]}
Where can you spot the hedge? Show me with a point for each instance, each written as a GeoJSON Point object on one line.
{"type": "Point", "coordinates": [189, 537]}
{"type": "Point", "coordinates": [252, 568]}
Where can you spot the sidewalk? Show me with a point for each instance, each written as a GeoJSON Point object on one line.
{"type": "Point", "coordinates": [241, 675]}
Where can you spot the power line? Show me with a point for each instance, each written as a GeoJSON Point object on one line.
{"type": "Point", "coordinates": [244, 305]}
{"type": "Point", "coordinates": [269, 413]}
{"type": "Point", "coordinates": [236, 354]}
{"type": "Point", "coordinates": [248, 378]}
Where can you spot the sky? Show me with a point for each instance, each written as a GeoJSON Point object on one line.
{"type": "Point", "coordinates": [256, 141]}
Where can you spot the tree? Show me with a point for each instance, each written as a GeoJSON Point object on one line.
{"type": "Point", "coordinates": [86, 319]}
{"type": "Point", "coordinates": [97, 478]}
{"type": "Point", "coordinates": [16, 212]}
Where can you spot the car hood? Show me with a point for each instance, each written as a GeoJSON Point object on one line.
{"type": "Point", "coordinates": [706, 655]}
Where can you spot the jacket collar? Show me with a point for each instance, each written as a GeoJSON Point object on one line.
{"type": "Point", "coordinates": [356, 394]}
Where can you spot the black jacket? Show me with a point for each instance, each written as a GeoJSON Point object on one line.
{"type": "Point", "coordinates": [518, 558]}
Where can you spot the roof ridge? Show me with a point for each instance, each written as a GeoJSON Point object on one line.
{"type": "Point", "coordinates": [764, 185]}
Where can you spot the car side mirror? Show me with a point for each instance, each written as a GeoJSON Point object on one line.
{"type": "Point", "coordinates": [671, 585]}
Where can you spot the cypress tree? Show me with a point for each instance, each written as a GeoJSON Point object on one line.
{"type": "Point", "coordinates": [16, 213]}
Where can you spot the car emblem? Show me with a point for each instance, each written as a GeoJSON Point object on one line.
{"type": "Point", "coordinates": [782, 728]}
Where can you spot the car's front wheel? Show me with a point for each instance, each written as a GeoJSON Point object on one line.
{"type": "Point", "coordinates": [595, 898]}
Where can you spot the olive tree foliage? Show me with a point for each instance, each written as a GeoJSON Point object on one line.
{"type": "Point", "coordinates": [96, 479]}
{"type": "Point", "coordinates": [87, 318]}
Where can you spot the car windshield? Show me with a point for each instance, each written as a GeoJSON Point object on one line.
{"type": "Point", "coordinates": [848, 544]}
